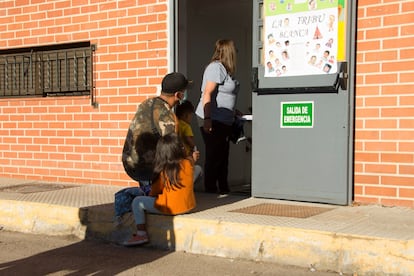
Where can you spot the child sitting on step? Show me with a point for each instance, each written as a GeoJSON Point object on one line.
{"type": "Point", "coordinates": [172, 191]}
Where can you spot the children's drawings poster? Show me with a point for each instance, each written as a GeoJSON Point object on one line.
{"type": "Point", "coordinates": [303, 37]}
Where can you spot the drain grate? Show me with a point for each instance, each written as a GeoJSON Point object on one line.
{"type": "Point", "coordinates": [282, 210]}
{"type": "Point", "coordinates": [29, 188]}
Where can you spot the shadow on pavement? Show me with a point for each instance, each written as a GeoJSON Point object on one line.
{"type": "Point", "coordinates": [99, 253]}
{"type": "Point", "coordinates": [98, 220]}
{"type": "Point", "coordinates": [87, 257]}
{"type": "Point", "coordinates": [207, 201]}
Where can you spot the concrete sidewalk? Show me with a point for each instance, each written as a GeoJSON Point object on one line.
{"type": "Point", "coordinates": [367, 240]}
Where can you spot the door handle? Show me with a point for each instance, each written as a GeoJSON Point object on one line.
{"type": "Point", "coordinates": [343, 76]}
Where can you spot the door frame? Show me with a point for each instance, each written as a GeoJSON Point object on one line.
{"type": "Point", "coordinates": [350, 58]}
{"type": "Point", "coordinates": [193, 34]}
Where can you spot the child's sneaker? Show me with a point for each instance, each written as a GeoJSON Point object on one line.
{"type": "Point", "coordinates": [136, 240]}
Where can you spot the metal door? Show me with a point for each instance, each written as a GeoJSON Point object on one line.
{"type": "Point", "coordinates": [302, 122]}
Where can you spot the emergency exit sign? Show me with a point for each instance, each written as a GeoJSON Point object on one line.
{"type": "Point", "coordinates": [296, 114]}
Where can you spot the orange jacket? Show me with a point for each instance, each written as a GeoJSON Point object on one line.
{"type": "Point", "coordinates": [177, 200]}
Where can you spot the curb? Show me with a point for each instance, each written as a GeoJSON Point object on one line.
{"type": "Point", "coordinates": [320, 250]}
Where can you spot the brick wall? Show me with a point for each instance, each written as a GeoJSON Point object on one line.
{"type": "Point", "coordinates": [66, 139]}
{"type": "Point", "coordinates": [384, 127]}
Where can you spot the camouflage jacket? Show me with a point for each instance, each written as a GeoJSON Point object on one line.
{"type": "Point", "coordinates": [141, 139]}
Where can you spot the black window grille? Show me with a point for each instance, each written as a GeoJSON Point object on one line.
{"type": "Point", "coordinates": [58, 70]}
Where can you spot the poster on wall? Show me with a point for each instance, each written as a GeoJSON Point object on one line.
{"type": "Point", "coordinates": [303, 37]}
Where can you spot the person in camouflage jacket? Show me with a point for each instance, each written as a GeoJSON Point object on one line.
{"type": "Point", "coordinates": [154, 118]}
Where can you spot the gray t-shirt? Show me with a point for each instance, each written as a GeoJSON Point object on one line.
{"type": "Point", "coordinates": [223, 99]}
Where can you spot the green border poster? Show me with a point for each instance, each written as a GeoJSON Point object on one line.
{"type": "Point", "coordinates": [302, 37]}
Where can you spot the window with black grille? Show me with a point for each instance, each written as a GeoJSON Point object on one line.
{"type": "Point", "coordinates": [47, 71]}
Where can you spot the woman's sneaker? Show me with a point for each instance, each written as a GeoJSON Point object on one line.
{"type": "Point", "coordinates": [136, 240]}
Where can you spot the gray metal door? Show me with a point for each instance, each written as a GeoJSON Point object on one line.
{"type": "Point", "coordinates": [302, 124]}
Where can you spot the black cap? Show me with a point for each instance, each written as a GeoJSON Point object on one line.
{"type": "Point", "coordinates": [174, 82]}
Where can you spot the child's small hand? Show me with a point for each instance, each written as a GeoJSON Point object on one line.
{"type": "Point", "coordinates": [196, 154]}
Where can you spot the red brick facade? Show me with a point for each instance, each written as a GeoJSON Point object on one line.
{"type": "Point", "coordinates": [65, 139]}
{"type": "Point", "coordinates": [384, 123]}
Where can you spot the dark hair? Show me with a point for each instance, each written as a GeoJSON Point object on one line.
{"type": "Point", "coordinates": [167, 163]}
{"type": "Point", "coordinates": [184, 108]}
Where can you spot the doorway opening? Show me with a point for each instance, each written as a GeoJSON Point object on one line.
{"type": "Point", "coordinates": [198, 26]}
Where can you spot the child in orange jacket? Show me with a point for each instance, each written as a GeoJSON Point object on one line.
{"type": "Point", "coordinates": [172, 191]}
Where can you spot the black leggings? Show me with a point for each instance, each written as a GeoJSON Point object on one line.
{"type": "Point", "coordinates": [216, 162]}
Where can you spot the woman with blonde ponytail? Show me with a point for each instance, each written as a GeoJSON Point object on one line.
{"type": "Point", "coordinates": [216, 114]}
